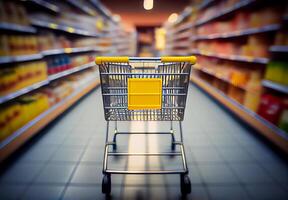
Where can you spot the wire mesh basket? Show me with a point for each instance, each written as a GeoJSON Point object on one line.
{"type": "Point", "coordinates": [115, 78]}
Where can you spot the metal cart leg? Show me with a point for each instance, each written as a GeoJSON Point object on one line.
{"type": "Point", "coordinates": [172, 136]}
{"type": "Point", "coordinates": [106, 181]}
{"type": "Point", "coordinates": [185, 182]}
{"type": "Point", "coordinates": [114, 136]}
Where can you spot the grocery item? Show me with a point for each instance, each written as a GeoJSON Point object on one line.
{"type": "Point", "coordinates": [253, 92]}
{"type": "Point", "coordinates": [16, 77]}
{"type": "Point", "coordinates": [271, 108]}
{"type": "Point", "coordinates": [277, 71]}
{"type": "Point", "coordinates": [13, 13]}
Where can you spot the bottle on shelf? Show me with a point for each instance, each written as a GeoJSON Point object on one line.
{"type": "Point", "coordinates": [253, 92]}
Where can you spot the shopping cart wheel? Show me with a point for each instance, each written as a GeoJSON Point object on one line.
{"type": "Point", "coordinates": [106, 184]}
{"type": "Point", "coordinates": [185, 184]}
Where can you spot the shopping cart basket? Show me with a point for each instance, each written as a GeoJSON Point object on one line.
{"type": "Point", "coordinates": [145, 89]}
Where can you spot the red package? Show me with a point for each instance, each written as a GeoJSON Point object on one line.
{"type": "Point", "coordinates": [271, 108]}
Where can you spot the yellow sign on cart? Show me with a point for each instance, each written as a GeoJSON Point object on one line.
{"type": "Point", "coordinates": [144, 93]}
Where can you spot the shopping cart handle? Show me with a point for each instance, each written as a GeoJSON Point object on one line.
{"type": "Point", "coordinates": [124, 59]}
{"type": "Point", "coordinates": [190, 59]}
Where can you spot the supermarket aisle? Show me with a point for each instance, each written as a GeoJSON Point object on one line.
{"type": "Point", "coordinates": [226, 161]}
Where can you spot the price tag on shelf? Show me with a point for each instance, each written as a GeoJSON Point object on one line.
{"type": "Point", "coordinates": [71, 30]}
{"type": "Point", "coordinates": [53, 25]}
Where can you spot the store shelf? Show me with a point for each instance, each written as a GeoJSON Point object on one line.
{"type": "Point", "coordinates": [181, 44]}
{"type": "Point", "coordinates": [186, 13]}
{"type": "Point", "coordinates": [63, 28]}
{"type": "Point", "coordinates": [53, 52]}
{"type": "Point", "coordinates": [17, 28]}
{"type": "Point", "coordinates": [35, 86]}
{"type": "Point", "coordinates": [14, 59]}
{"type": "Point", "coordinates": [236, 7]}
{"type": "Point", "coordinates": [46, 5]}
{"type": "Point", "coordinates": [70, 71]}
{"type": "Point", "coordinates": [250, 31]}
{"type": "Point", "coordinates": [279, 49]}
{"type": "Point", "coordinates": [82, 7]}
{"type": "Point", "coordinates": [211, 73]}
{"type": "Point", "coordinates": [206, 4]}
{"type": "Point", "coordinates": [273, 133]}
{"type": "Point", "coordinates": [18, 138]}
{"type": "Point", "coordinates": [102, 9]}
{"type": "Point", "coordinates": [183, 27]}
{"type": "Point", "coordinates": [275, 86]}
{"type": "Point", "coordinates": [182, 35]}
{"type": "Point", "coordinates": [231, 57]}
{"type": "Point", "coordinates": [23, 91]}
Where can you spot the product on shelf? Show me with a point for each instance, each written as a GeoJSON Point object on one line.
{"type": "Point", "coordinates": [4, 46]}
{"type": "Point", "coordinates": [24, 109]}
{"type": "Point", "coordinates": [58, 64]}
{"type": "Point", "coordinates": [277, 71]}
{"type": "Point", "coordinates": [13, 13]}
{"type": "Point", "coordinates": [271, 108]}
{"type": "Point", "coordinates": [21, 75]}
{"type": "Point", "coordinates": [281, 38]}
{"type": "Point", "coordinates": [47, 41]}
{"type": "Point", "coordinates": [253, 92]}
{"type": "Point", "coordinates": [61, 63]}
{"type": "Point", "coordinates": [255, 46]}
{"type": "Point", "coordinates": [241, 20]}
{"type": "Point", "coordinates": [19, 113]}
{"type": "Point", "coordinates": [16, 45]}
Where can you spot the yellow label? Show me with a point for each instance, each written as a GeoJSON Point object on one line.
{"type": "Point", "coordinates": [144, 93]}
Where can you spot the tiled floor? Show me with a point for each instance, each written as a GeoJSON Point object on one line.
{"type": "Point", "coordinates": [226, 160]}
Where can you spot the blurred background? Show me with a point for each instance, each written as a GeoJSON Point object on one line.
{"type": "Point", "coordinates": [47, 52]}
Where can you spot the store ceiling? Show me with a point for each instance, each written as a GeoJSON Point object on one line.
{"type": "Point", "coordinates": [132, 11]}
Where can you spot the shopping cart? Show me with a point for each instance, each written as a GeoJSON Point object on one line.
{"type": "Point", "coordinates": [145, 89]}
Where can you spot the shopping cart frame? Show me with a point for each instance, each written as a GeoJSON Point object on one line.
{"type": "Point", "coordinates": [184, 178]}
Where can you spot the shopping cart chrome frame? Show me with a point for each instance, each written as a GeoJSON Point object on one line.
{"type": "Point", "coordinates": [175, 74]}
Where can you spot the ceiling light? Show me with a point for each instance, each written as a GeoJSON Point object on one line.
{"type": "Point", "coordinates": [148, 4]}
{"type": "Point", "coordinates": [173, 18]}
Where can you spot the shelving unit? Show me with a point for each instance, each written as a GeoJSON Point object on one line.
{"type": "Point", "coordinates": [63, 28]}
{"type": "Point", "coordinates": [70, 71]}
{"type": "Point", "coordinates": [232, 34]}
{"type": "Point", "coordinates": [18, 138]}
{"type": "Point", "coordinates": [46, 5]}
{"type": "Point", "coordinates": [223, 17]}
{"type": "Point", "coordinates": [275, 86]}
{"type": "Point", "coordinates": [219, 77]}
{"type": "Point", "coordinates": [103, 10]}
{"type": "Point", "coordinates": [231, 57]}
{"type": "Point", "coordinates": [82, 7]}
{"type": "Point", "coordinates": [35, 86]}
{"type": "Point", "coordinates": [52, 52]}
{"type": "Point", "coordinates": [273, 133]}
{"type": "Point", "coordinates": [17, 28]}
{"type": "Point", "coordinates": [13, 142]}
{"type": "Point", "coordinates": [279, 49]}
{"type": "Point", "coordinates": [234, 8]}
{"type": "Point", "coordinates": [23, 91]}
{"type": "Point", "coordinates": [15, 59]}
